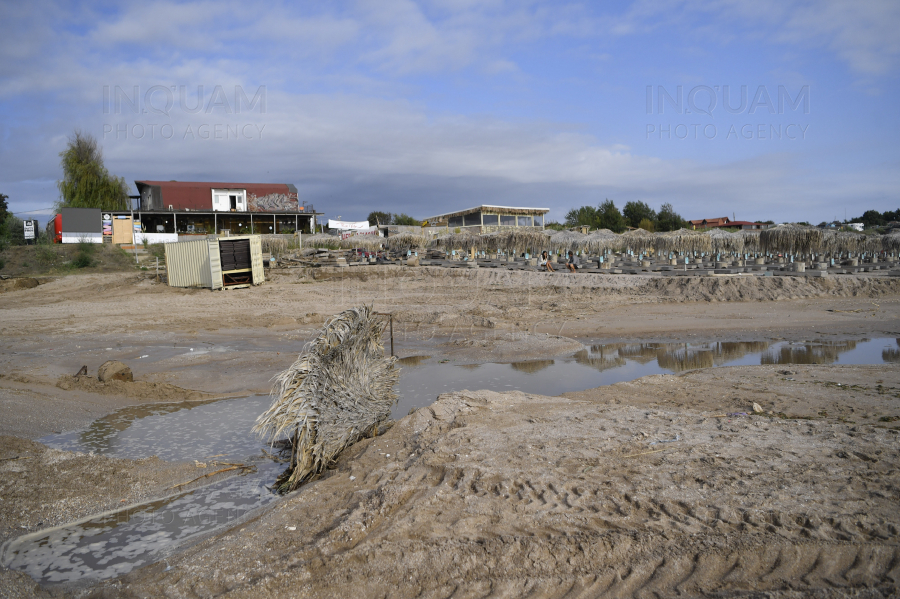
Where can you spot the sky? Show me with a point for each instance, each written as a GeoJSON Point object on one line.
{"type": "Point", "coordinates": [752, 109]}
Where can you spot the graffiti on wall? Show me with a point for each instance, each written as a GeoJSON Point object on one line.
{"type": "Point", "coordinates": [273, 202]}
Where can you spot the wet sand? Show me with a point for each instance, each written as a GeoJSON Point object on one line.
{"type": "Point", "coordinates": [501, 493]}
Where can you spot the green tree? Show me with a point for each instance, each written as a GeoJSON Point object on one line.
{"type": "Point", "coordinates": [584, 216]}
{"type": "Point", "coordinates": [405, 219]}
{"type": "Point", "coordinates": [635, 212]}
{"type": "Point", "coordinates": [669, 220]}
{"type": "Point", "coordinates": [647, 225]}
{"type": "Point", "coordinates": [609, 217]}
{"type": "Point", "coordinates": [4, 207]}
{"type": "Point", "coordinates": [86, 183]}
{"type": "Point", "coordinates": [379, 218]}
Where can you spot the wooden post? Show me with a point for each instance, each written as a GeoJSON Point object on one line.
{"type": "Point", "coordinates": [392, 334]}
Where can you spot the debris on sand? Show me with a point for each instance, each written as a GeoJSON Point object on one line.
{"type": "Point", "coordinates": [340, 389]}
{"type": "Point", "coordinates": [113, 370]}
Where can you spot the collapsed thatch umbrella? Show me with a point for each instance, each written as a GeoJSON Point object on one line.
{"type": "Point", "coordinates": [338, 391]}
{"type": "Point", "coordinates": [792, 239]}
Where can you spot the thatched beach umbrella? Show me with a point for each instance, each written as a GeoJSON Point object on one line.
{"type": "Point", "coordinates": [636, 240]}
{"type": "Point", "coordinates": [891, 242]}
{"type": "Point", "coordinates": [321, 240]}
{"type": "Point", "coordinates": [792, 239]}
{"type": "Point", "coordinates": [751, 240]}
{"type": "Point", "coordinates": [567, 240]}
{"type": "Point", "coordinates": [601, 240]}
{"type": "Point", "coordinates": [405, 241]}
{"type": "Point", "coordinates": [723, 241]}
{"type": "Point", "coordinates": [338, 391]}
{"type": "Point", "coordinates": [684, 241]}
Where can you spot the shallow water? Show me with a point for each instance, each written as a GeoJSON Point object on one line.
{"type": "Point", "coordinates": [606, 364]}
{"type": "Point", "coordinates": [115, 543]}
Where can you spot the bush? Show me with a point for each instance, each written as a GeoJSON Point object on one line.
{"type": "Point", "coordinates": [45, 255]}
{"type": "Point", "coordinates": [87, 248]}
{"type": "Point", "coordinates": [82, 260]}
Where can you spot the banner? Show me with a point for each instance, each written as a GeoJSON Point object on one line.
{"type": "Point", "coordinates": [29, 229]}
{"type": "Point", "coordinates": [339, 224]}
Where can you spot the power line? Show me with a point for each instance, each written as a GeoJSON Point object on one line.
{"type": "Point", "coordinates": [30, 211]}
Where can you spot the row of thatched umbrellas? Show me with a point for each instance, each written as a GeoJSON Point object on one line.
{"type": "Point", "coordinates": [789, 239]}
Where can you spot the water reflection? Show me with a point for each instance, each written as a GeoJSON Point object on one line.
{"type": "Point", "coordinates": [817, 352]}
{"type": "Point", "coordinates": [532, 366]}
{"type": "Point", "coordinates": [412, 360]}
{"type": "Point", "coordinates": [891, 354]}
{"type": "Point", "coordinates": [676, 357]}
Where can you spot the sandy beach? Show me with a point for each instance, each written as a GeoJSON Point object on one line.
{"type": "Point", "coordinates": [668, 485]}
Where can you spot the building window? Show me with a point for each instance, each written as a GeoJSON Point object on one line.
{"type": "Point", "coordinates": [491, 220]}
{"type": "Point", "coordinates": [472, 220]}
{"type": "Point", "coordinates": [507, 220]}
{"type": "Point", "coordinates": [525, 221]}
{"type": "Point", "coordinates": [455, 221]}
{"type": "Point", "coordinates": [229, 200]}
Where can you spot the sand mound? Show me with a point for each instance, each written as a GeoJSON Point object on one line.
{"type": "Point", "coordinates": [733, 289]}
{"type": "Point", "coordinates": [137, 389]}
{"type": "Point", "coordinates": [508, 494]}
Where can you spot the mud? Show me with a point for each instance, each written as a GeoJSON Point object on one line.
{"type": "Point", "coordinates": [666, 485]}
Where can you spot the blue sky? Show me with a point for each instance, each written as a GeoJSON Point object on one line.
{"type": "Point", "coordinates": [426, 107]}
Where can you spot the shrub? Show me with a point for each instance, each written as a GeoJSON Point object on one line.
{"type": "Point", "coordinates": [82, 260]}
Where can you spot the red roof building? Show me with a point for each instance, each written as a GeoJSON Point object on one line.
{"type": "Point", "coordinates": [218, 197]}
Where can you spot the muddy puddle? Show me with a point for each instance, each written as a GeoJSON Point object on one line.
{"type": "Point", "coordinates": [214, 434]}
{"type": "Point", "coordinates": [596, 365]}
{"type": "Point", "coordinates": [218, 432]}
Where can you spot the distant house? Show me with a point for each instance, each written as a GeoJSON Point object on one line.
{"type": "Point", "coordinates": [716, 223]}
{"type": "Point", "coordinates": [490, 218]}
{"type": "Point", "coordinates": [856, 226]}
{"type": "Point", "coordinates": [706, 223]}
{"type": "Point", "coordinates": [192, 207]}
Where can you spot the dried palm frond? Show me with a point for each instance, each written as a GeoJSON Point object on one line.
{"type": "Point", "coordinates": [792, 239]}
{"type": "Point", "coordinates": [338, 391]}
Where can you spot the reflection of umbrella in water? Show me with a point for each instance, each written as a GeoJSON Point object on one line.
{"type": "Point", "coordinates": [891, 354]}
{"type": "Point", "coordinates": [808, 353]}
{"type": "Point", "coordinates": [603, 360]}
{"type": "Point", "coordinates": [685, 357]}
{"type": "Point", "coordinates": [531, 366]}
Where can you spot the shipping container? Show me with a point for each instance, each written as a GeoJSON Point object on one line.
{"type": "Point", "coordinates": [215, 262]}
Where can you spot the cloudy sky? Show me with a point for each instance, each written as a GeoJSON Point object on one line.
{"type": "Point", "coordinates": [755, 109]}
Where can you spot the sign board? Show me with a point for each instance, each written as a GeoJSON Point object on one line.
{"type": "Point", "coordinates": [339, 224]}
{"type": "Point", "coordinates": [29, 229]}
